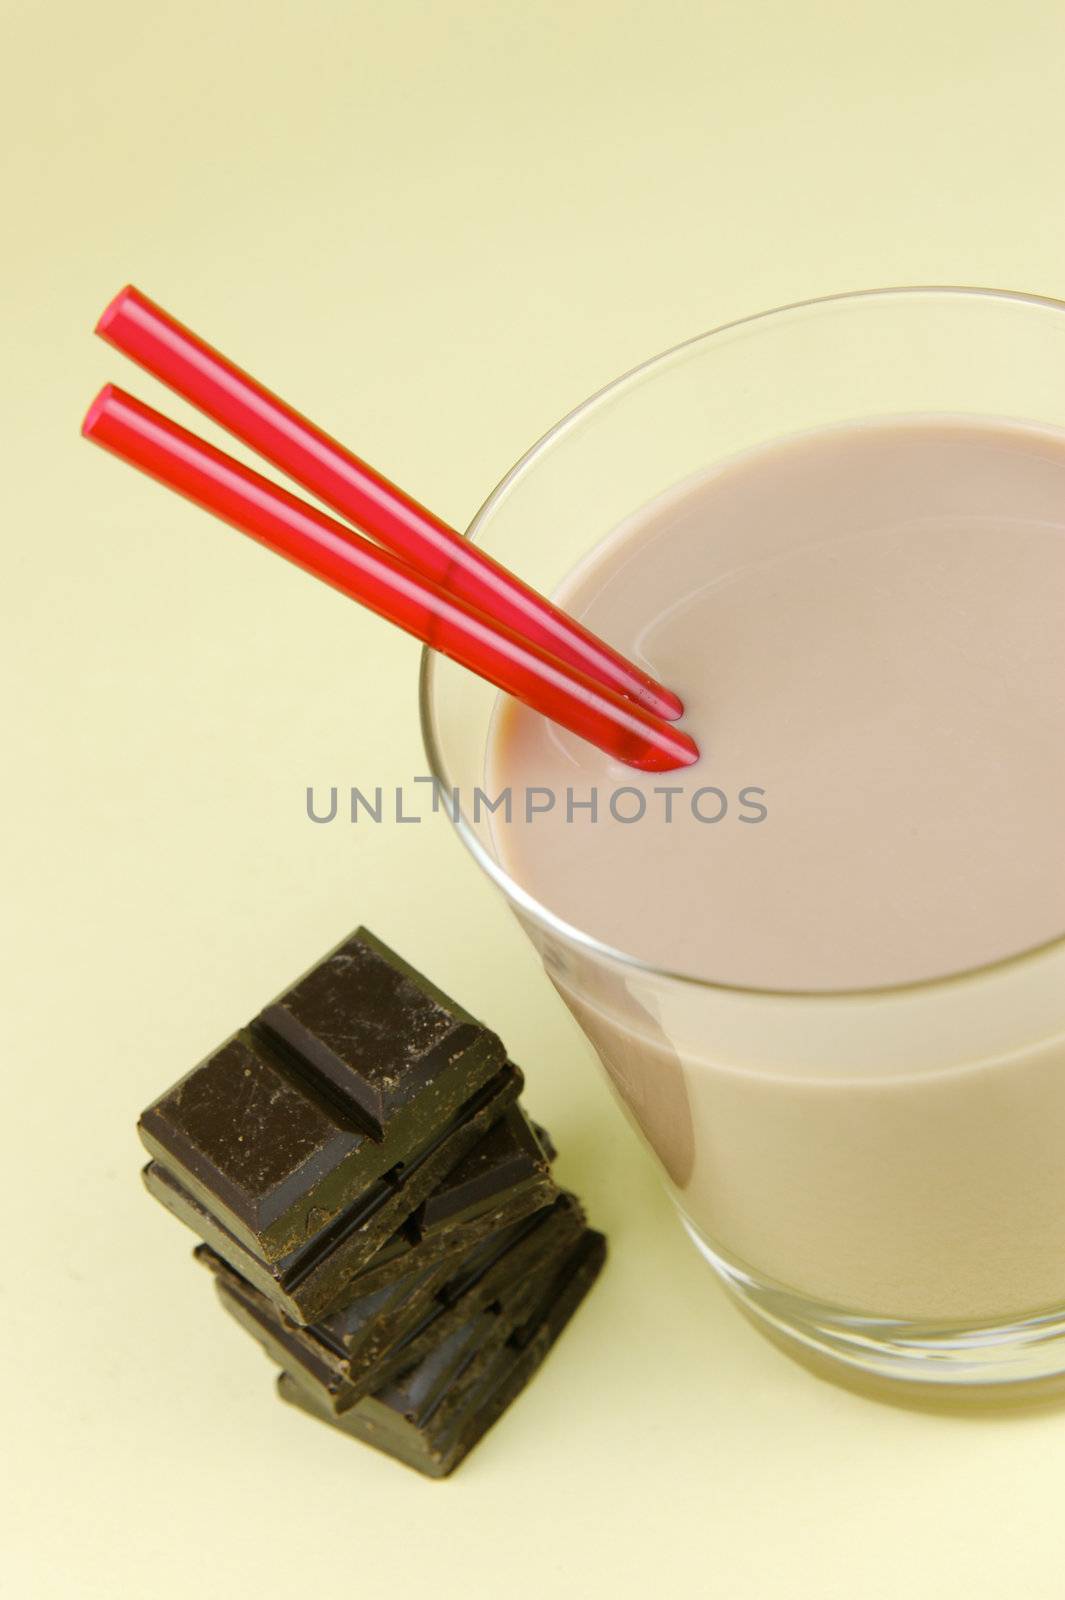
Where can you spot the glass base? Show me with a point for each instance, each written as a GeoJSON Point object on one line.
{"type": "Point", "coordinates": [1014, 1361]}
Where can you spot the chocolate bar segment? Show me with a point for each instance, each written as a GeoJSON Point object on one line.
{"type": "Point", "coordinates": [374, 1337]}
{"type": "Point", "coordinates": [368, 1024]}
{"type": "Point", "coordinates": [505, 1177]}
{"type": "Point", "coordinates": [509, 1157]}
{"type": "Point", "coordinates": [545, 1141]}
{"type": "Point", "coordinates": [279, 1128]}
{"type": "Point", "coordinates": [377, 1324]}
{"type": "Point", "coordinates": [313, 1279]}
{"type": "Point", "coordinates": [434, 1414]}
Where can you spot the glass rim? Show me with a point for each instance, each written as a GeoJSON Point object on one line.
{"type": "Point", "coordinates": [516, 892]}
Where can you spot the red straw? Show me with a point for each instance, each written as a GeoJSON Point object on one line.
{"type": "Point", "coordinates": [388, 586]}
{"type": "Point", "coordinates": [177, 356]}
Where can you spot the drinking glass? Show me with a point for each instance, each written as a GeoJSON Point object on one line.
{"type": "Point", "coordinates": [877, 1176]}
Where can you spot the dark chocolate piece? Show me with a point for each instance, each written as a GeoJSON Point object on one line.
{"type": "Point", "coordinates": [314, 1279]}
{"type": "Point", "coordinates": [374, 1028]}
{"type": "Point", "coordinates": [505, 1177]}
{"type": "Point", "coordinates": [378, 1335]}
{"type": "Point", "coordinates": [545, 1141]}
{"type": "Point", "coordinates": [407, 1251]}
{"type": "Point", "coordinates": [508, 1158]}
{"type": "Point", "coordinates": [334, 1087]}
{"type": "Point", "coordinates": [433, 1415]}
{"type": "Point", "coordinates": [383, 1318]}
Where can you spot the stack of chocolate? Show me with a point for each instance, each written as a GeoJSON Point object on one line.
{"type": "Point", "coordinates": [377, 1208]}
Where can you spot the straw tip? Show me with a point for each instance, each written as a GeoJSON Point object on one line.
{"type": "Point", "coordinates": [114, 308]}
{"type": "Point", "coordinates": [100, 404]}
{"type": "Point", "coordinates": [686, 750]}
{"type": "Point", "coordinates": [662, 748]}
{"type": "Point", "coordinates": [668, 705]}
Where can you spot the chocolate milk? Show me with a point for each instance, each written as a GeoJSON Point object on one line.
{"type": "Point", "coordinates": [867, 626]}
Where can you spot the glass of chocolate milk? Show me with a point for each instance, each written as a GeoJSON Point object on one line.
{"type": "Point", "coordinates": [823, 968]}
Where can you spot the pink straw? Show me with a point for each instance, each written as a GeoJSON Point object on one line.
{"type": "Point", "coordinates": [314, 541]}
{"type": "Point", "coordinates": [190, 366]}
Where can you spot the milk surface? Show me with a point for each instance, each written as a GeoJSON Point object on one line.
{"type": "Point", "coordinates": [867, 626]}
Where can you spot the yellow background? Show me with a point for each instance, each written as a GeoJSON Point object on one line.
{"type": "Point", "coordinates": [436, 226]}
